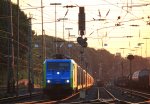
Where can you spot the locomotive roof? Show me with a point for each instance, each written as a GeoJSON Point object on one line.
{"type": "Point", "coordinates": [60, 60]}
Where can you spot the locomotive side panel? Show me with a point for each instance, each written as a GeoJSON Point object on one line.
{"type": "Point", "coordinates": [79, 79]}
{"type": "Point", "coordinates": [74, 75]}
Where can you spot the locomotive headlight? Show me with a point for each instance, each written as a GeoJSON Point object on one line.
{"type": "Point", "coordinates": [58, 73]}
{"type": "Point", "coordinates": [67, 81]}
{"type": "Point", "coordinates": [48, 81]}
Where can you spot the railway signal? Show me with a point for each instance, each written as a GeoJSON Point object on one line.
{"type": "Point", "coordinates": [81, 20]}
{"type": "Point", "coordinates": [82, 41]}
{"type": "Point", "coordinates": [130, 57]}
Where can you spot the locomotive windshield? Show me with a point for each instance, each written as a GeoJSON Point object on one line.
{"type": "Point", "coordinates": [58, 65]}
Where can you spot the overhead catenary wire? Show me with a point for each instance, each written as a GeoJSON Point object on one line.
{"type": "Point", "coordinates": [124, 17]}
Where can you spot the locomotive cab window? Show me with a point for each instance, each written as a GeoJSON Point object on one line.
{"type": "Point", "coordinates": [58, 65]}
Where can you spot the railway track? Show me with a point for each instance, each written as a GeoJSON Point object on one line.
{"type": "Point", "coordinates": [130, 96]}
{"type": "Point", "coordinates": [138, 93]}
{"type": "Point", "coordinates": [103, 97]}
{"type": "Point", "coordinates": [49, 101]}
{"type": "Point", "coordinates": [96, 95]}
{"type": "Point", "coordinates": [145, 96]}
{"type": "Point", "coordinates": [106, 97]}
{"type": "Point", "coordinates": [19, 98]}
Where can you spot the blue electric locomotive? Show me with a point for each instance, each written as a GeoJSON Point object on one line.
{"type": "Point", "coordinates": [64, 76]}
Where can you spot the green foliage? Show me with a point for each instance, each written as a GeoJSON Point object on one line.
{"type": "Point", "coordinates": [5, 36]}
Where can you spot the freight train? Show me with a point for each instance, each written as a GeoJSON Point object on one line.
{"type": "Point", "coordinates": [139, 79]}
{"type": "Point", "coordinates": [64, 76]}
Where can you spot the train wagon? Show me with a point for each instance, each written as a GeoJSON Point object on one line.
{"type": "Point", "coordinates": [64, 76]}
{"type": "Point", "coordinates": [141, 78]}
